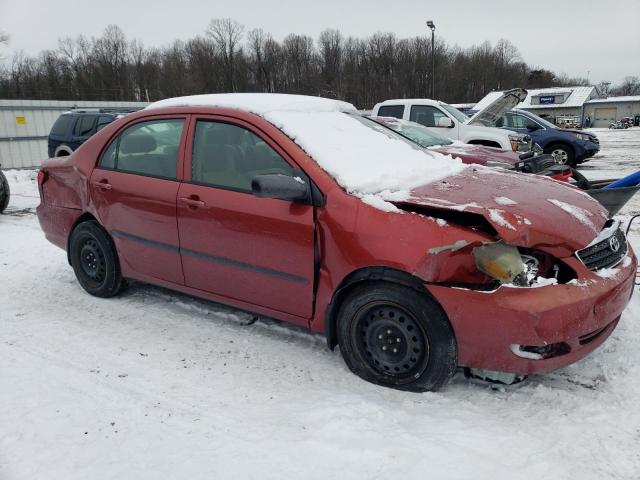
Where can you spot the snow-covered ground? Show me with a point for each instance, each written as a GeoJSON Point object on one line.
{"type": "Point", "coordinates": [158, 385]}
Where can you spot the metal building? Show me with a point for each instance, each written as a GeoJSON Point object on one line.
{"type": "Point", "coordinates": [602, 112]}
{"type": "Point", "coordinates": [25, 125]}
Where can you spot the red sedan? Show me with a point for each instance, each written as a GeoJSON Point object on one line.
{"type": "Point", "coordinates": [299, 209]}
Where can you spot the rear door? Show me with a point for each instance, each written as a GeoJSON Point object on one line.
{"type": "Point", "coordinates": [134, 189]}
{"type": "Point", "coordinates": [259, 251]}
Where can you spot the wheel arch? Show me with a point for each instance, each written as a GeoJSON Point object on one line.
{"type": "Point", "coordinates": [85, 217]}
{"type": "Point", "coordinates": [357, 277]}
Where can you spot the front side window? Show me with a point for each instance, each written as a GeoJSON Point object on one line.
{"type": "Point", "coordinates": [229, 156]}
{"type": "Point", "coordinates": [396, 111]}
{"type": "Point", "coordinates": [103, 121]}
{"type": "Point", "coordinates": [147, 148]}
{"type": "Point", "coordinates": [426, 115]}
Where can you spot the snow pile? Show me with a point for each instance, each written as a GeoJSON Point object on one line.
{"type": "Point", "coordinates": [505, 201]}
{"type": "Point", "coordinates": [497, 217]}
{"type": "Point", "coordinates": [364, 158]}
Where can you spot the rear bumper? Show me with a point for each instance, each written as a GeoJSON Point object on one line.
{"type": "Point", "coordinates": [579, 316]}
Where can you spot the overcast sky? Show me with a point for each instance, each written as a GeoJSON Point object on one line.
{"type": "Point", "coordinates": [567, 36]}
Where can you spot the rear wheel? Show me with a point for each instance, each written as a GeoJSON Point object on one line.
{"type": "Point", "coordinates": [94, 260]}
{"type": "Point", "coordinates": [4, 192]}
{"type": "Point", "coordinates": [396, 337]}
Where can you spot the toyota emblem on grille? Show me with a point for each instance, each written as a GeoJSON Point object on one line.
{"type": "Point", "coordinates": [614, 244]}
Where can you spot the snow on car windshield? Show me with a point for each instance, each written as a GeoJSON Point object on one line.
{"type": "Point", "coordinates": [365, 158]}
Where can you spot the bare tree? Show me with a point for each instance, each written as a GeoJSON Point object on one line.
{"type": "Point", "coordinates": [227, 34]}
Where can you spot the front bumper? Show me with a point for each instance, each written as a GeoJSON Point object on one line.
{"type": "Point", "coordinates": [581, 315]}
{"type": "Point", "coordinates": [589, 149]}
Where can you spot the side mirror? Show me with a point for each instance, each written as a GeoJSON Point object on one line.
{"type": "Point", "coordinates": [445, 122]}
{"type": "Point", "coordinates": [280, 186]}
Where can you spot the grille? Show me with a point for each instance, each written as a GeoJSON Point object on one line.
{"type": "Point", "coordinates": [604, 254]}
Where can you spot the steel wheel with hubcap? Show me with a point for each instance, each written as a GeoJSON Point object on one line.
{"type": "Point", "coordinates": [395, 336]}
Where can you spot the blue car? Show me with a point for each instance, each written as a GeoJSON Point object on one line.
{"type": "Point", "coordinates": [569, 147]}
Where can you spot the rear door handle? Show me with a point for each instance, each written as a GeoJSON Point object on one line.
{"type": "Point", "coordinates": [192, 201]}
{"type": "Point", "coordinates": [103, 184]}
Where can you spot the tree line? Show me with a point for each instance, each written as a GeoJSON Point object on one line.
{"type": "Point", "coordinates": [226, 58]}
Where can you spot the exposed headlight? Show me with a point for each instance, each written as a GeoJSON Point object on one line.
{"type": "Point", "coordinates": [519, 142]}
{"type": "Point", "coordinates": [500, 261]}
{"type": "Point", "coordinates": [509, 265]}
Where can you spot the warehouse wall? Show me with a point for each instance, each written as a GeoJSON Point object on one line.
{"type": "Point", "coordinates": [25, 125]}
{"type": "Point", "coordinates": [608, 112]}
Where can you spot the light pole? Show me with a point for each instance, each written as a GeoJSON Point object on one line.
{"type": "Point", "coordinates": [432, 26]}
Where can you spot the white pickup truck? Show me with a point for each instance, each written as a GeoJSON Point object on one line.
{"type": "Point", "coordinates": [452, 123]}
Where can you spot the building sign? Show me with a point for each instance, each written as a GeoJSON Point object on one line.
{"type": "Point", "coordinates": [547, 99]}
{"type": "Point", "coordinates": [21, 120]}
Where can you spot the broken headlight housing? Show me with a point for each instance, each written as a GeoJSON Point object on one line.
{"type": "Point", "coordinates": [519, 267]}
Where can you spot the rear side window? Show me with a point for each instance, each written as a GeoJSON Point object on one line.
{"type": "Point", "coordinates": [146, 148]}
{"type": "Point", "coordinates": [62, 125]}
{"type": "Point", "coordinates": [229, 156]}
{"type": "Point", "coordinates": [84, 126]}
{"type": "Point", "coordinates": [103, 121]}
{"type": "Point", "coordinates": [396, 111]}
{"type": "Point", "coordinates": [426, 115]}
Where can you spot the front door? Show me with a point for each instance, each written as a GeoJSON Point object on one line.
{"type": "Point", "coordinates": [134, 190]}
{"type": "Point", "coordinates": [259, 251]}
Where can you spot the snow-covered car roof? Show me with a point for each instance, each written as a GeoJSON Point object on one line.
{"type": "Point", "coordinates": [365, 158]}
{"type": "Point", "coordinates": [258, 103]}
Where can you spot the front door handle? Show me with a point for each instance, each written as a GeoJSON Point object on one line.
{"type": "Point", "coordinates": [192, 201]}
{"type": "Point", "coordinates": [103, 184]}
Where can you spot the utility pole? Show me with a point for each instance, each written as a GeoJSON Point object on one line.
{"type": "Point", "coordinates": [432, 27]}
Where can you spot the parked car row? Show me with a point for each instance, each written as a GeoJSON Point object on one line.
{"type": "Point", "coordinates": [299, 208]}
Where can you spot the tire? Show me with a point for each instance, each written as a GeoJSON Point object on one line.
{"type": "Point", "coordinates": [394, 336]}
{"type": "Point", "coordinates": [94, 260]}
{"type": "Point", "coordinates": [5, 193]}
{"type": "Point", "coordinates": [562, 154]}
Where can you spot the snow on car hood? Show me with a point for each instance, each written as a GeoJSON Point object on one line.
{"type": "Point", "coordinates": [525, 210]}
{"type": "Point", "coordinates": [488, 116]}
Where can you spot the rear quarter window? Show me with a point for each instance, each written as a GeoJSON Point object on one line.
{"type": "Point", "coordinates": [62, 125]}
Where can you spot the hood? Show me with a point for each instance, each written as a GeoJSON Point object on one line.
{"type": "Point", "coordinates": [524, 210]}
{"type": "Point", "coordinates": [488, 116]}
{"type": "Point", "coordinates": [478, 154]}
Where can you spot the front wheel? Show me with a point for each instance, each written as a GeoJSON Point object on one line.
{"type": "Point", "coordinates": [396, 337]}
{"type": "Point", "coordinates": [562, 154]}
{"type": "Point", "coordinates": [94, 260]}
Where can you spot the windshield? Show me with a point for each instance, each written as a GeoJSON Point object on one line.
{"type": "Point", "coordinates": [414, 131]}
{"type": "Point", "coordinates": [457, 114]}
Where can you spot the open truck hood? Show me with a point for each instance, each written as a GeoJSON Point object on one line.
{"type": "Point", "coordinates": [523, 210]}
{"type": "Point", "coordinates": [488, 116]}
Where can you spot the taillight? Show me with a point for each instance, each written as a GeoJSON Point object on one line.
{"type": "Point", "coordinates": [42, 177]}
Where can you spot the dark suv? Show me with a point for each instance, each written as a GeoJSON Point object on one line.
{"type": "Point", "coordinates": [73, 128]}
